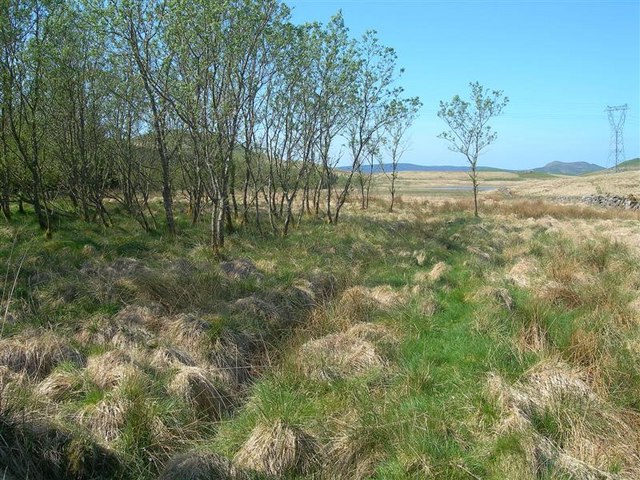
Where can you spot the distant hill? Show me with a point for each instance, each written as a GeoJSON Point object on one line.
{"type": "Point", "coordinates": [629, 165]}
{"type": "Point", "coordinates": [553, 168]}
{"type": "Point", "coordinates": [569, 168]}
{"type": "Point", "coordinates": [410, 167]}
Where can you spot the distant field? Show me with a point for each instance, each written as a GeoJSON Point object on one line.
{"type": "Point", "coordinates": [433, 184]}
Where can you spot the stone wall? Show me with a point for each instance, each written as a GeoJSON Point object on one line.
{"type": "Point", "coordinates": [628, 202]}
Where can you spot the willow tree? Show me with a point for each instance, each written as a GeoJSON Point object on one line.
{"type": "Point", "coordinates": [469, 130]}
{"type": "Point", "coordinates": [219, 52]}
{"type": "Point", "coordinates": [76, 100]}
{"type": "Point", "coordinates": [138, 30]}
{"type": "Point", "coordinates": [23, 32]}
{"type": "Point", "coordinates": [403, 114]}
{"type": "Point", "coordinates": [334, 73]}
{"type": "Point", "coordinates": [375, 90]}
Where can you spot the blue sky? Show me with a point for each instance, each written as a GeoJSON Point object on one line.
{"type": "Point", "coordinates": [559, 62]}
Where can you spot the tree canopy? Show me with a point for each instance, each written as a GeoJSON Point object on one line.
{"type": "Point", "coordinates": [227, 106]}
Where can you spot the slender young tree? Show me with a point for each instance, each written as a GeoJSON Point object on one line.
{"type": "Point", "coordinates": [24, 28]}
{"type": "Point", "coordinates": [375, 91]}
{"type": "Point", "coordinates": [469, 130]}
{"type": "Point", "coordinates": [403, 114]}
{"type": "Point", "coordinates": [5, 179]}
{"type": "Point", "coordinates": [140, 26]}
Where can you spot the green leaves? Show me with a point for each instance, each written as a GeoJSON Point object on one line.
{"type": "Point", "coordinates": [469, 132]}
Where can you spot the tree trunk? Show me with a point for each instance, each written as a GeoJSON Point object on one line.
{"type": "Point", "coordinates": [394, 175]}
{"type": "Point", "coordinates": [167, 196]}
{"type": "Point", "coordinates": [6, 207]}
{"type": "Point", "coordinates": [474, 180]}
{"type": "Point", "coordinates": [232, 187]}
{"type": "Point", "coordinates": [4, 199]}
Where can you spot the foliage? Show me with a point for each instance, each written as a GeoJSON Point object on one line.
{"type": "Point", "coordinates": [227, 104]}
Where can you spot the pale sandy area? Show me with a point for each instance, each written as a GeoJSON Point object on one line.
{"type": "Point", "coordinates": [622, 183]}
{"type": "Point", "coordinates": [423, 184]}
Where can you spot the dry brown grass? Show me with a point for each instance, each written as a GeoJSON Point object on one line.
{"type": "Point", "coordinates": [203, 389]}
{"type": "Point", "coordinates": [110, 369]}
{"type": "Point", "coordinates": [339, 356]}
{"type": "Point", "coordinates": [354, 353]}
{"type": "Point", "coordinates": [258, 308]}
{"type": "Point", "coordinates": [132, 327]}
{"type": "Point", "coordinates": [37, 356]}
{"type": "Point", "coordinates": [380, 335]}
{"type": "Point", "coordinates": [240, 269]}
{"type": "Point", "coordinates": [164, 358]}
{"type": "Point", "coordinates": [149, 317]}
{"type": "Point", "coordinates": [523, 272]}
{"type": "Point", "coordinates": [499, 295]}
{"type": "Point", "coordinates": [278, 450]}
{"type": "Point", "coordinates": [96, 331]}
{"type": "Point", "coordinates": [128, 337]}
{"type": "Point", "coordinates": [586, 436]}
{"type": "Point", "coordinates": [9, 379]}
{"type": "Point", "coordinates": [61, 385]}
{"type": "Point", "coordinates": [351, 453]}
{"type": "Point", "coordinates": [434, 275]}
{"type": "Point", "coordinates": [200, 466]}
{"type": "Point", "coordinates": [231, 355]}
{"type": "Point", "coordinates": [106, 418]}
{"type": "Point", "coordinates": [359, 303]}
{"type": "Point", "coordinates": [544, 208]}
{"type": "Point", "coordinates": [190, 333]}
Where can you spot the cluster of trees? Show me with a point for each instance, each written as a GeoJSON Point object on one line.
{"type": "Point", "coordinates": [225, 103]}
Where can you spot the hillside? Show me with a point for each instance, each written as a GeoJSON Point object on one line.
{"type": "Point", "coordinates": [629, 165]}
{"type": "Point", "coordinates": [569, 168]}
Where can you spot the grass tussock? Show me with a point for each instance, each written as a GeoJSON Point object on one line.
{"type": "Point", "coordinates": [40, 450]}
{"type": "Point", "coordinates": [166, 358]}
{"type": "Point", "coordinates": [37, 356]}
{"type": "Point", "coordinates": [359, 303]}
{"type": "Point", "coordinates": [106, 418]}
{"type": "Point", "coordinates": [354, 353]}
{"type": "Point", "coordinates": [278, 450]}
{"type": "Point", "coordinates": [437, 272]}
{"type": "Point", "coordinates": [355, 449]}
{"type": "Point", "coordinates": [200, 465]}
{"type": "Point", "coordinates": [110, 369]}
{"type": "Point", "coordinates": [62, 384]}
{"type": "Point", "coordinates": [203, 389]}
{"type": "Point", "coordinates": [567, 425]}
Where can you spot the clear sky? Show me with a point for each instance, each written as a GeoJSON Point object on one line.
{"type": "Point", "coordinates": [559, 62]}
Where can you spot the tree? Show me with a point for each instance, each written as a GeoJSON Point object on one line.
{"type": "Point", "coordinates": [374, 91]}
{"type": "Point", "coordinates": [140, 26]}
{"type": "Point", "coordinates": [469, 131]}
{"type": "Point", "coordinates": [23, 30]}
{"type": "Point", "coordinates": [403, 113]}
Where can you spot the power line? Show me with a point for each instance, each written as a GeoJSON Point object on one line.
{"type": "Point", "coordinates": [617, 116]}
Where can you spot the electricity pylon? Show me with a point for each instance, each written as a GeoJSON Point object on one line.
{"type": "Point", "coordinates": [617, 117]}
